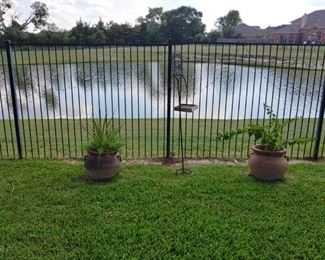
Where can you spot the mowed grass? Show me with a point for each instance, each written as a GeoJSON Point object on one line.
{"type": "Point", "coordinates": [147, 138]}
{"type": "Point", "coordinates": [253, 55]}
{"type": "Point", "coordinates": [49, 211]}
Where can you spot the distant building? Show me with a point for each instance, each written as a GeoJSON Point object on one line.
{"type": "Point", "coordinates": [310, 28]}
{"type": "Point", "coordinates": [254, 33]}
{"type": "Point", "coordinates": [247, 32]}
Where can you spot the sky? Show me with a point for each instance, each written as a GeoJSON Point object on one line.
{"type": "Point", "coordinates": [65, 13]}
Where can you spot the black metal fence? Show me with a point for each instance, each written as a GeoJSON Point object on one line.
{"type": "Point", "coordinates": [49, 95]}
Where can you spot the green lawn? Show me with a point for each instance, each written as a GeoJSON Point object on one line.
{"type": "Point", "coordinates": [146, 138]}
{"type": "Point", "coordinates": [275, 56]}
{"type": "Point", "coordinates": [49, 211]}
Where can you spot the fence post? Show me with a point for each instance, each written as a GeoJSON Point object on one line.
{"type": "Point", "coordinates": [320, 123]}
{"type": "Point", "coordinates": [169, 96]}
{"type": "Point", "coordinates": [13, 98]}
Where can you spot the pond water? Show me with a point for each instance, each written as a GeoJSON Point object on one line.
{"type": "Point", "coordinates": [138, 90]}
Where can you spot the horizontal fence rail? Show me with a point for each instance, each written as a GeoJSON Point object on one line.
{"type": "Point", "coordinates": [57, 90]}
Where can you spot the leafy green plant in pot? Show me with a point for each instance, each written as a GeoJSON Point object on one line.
{"type": "Point", "coordinates": [268, 160]}
{"type": "Point", "coordinates": [102, 161]}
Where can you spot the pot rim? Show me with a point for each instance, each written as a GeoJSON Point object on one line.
{"type": "Point", "coordinates": [92, 152]}
{"type": "Point", "coordinates": [258, 149]}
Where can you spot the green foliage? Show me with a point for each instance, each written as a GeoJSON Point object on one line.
{"type": "Point", "coordinates": [183, 23]}
{"type": "Point", "coordinates": [80, 33]}
{"type": "Point", "coordinates": [269, 136]}
{"type": "Point", "coordinates": [39, 15]}
{"type": "Point", "coordinates": [157, 26]}
{"type": "Point", "coordinates": [5, 5]}
{"type": "Point", "coordinates": [104, 139]}
{"type": "Point", "coordinates": [150, 27]}
{"type": "Point", "coordinates": [154, 14]}
{"type": "Point", "coordinates": [226, 24]}
{"type": "Point", "coordinates": [53, 36]}
{"type": "Point", "coordinates": [16, 31]}
{"type": "Point", "coordinates": [121, 33]}
{"type": "Point", "coordinates": [213, 36]}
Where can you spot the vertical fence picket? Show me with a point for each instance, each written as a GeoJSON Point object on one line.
{"type": "Point", "coordinates": [320, 123]}
{"type": "Point", "coordinates": [14, 99]}
{"type": "Point", "coordinates": [169, 97]}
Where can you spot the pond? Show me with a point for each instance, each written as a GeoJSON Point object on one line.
{"type": "Point", "coordinates": [138, 90]}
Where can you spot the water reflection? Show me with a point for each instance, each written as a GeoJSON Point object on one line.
{"type": "Point", "coordinates": [138, 90]}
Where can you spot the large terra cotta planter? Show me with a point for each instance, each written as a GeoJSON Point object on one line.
{"type": "Point", "coordinates": [267, 165]}
{"type": "Point", "coordinates": [102, 167]}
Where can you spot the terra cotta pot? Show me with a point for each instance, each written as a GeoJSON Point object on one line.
{"type": "Point", "coordinates": [101, 167]}
{"type": "Point", "coordinates": [267, 165]}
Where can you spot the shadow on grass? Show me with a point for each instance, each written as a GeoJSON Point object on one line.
{"type": "Point", "coordinates": [274, 183]}
{"type": "Point", "coordinates": [87, 180]}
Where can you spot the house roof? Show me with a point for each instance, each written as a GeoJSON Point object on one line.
{"type": "Point", "coordinates": [316, 18]}
{"type": "Point", "coordinates": [290, 28]}
{"type": "Point", "coordinates": [312, 19]}
{"type": "Point", "coordinates": [306, 21]}
{"type": "Point", "coordinates": [245, 29]}
{"type": "Point", "coordinates": [269, 30]}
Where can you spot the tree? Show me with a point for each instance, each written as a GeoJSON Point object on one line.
{"type": "Point", "coordinates": [99, 33]}
{"type": "Point", "coordinates": [38, 17]}
{"type": "Point", "coordinates": [15, 33]}
{"type": "Point", "coordinates": [5, 5]}
{"type": "Point", "coordinates": [226, 24]}
{"type": "Point", "coordinates": [183, 23]}
{"type": "Point", "coordinates": [122, 33]}
{"type": "Point", "coordinates": [213, 35]}
{"type": "Point", "coordinates": [81, 33]}
{"type": "Point", "coordinates": [16, 30]}
{"type": "Point", "coordinates": [154, 15]}
{"type": "Point", "coordinates": [55, 36]}
{"type": "Point", "coordinates": [150, 25]}
{"type": "Point", "coordinates": [52, 27]}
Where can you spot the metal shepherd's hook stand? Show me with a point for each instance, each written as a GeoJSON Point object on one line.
{"type": "Point", "coordinates": [187, 108]}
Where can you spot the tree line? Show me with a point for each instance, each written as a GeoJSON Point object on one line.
{"type": "Point", "coordinates": [157, 26]}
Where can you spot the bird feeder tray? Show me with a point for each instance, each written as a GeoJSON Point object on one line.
{"type": "Point", "coordinates": [188, 108]}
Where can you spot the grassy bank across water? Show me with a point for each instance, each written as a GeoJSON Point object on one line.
{"type": "Point", "coordinates": [253, 55]}
{"type": "Point", "coordinates": [49, 211]}
{"type": "Point", "coordinates": [146, 138]}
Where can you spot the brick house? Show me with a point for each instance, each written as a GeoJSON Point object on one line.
{"type": "Point", "coordinates": [249, 33]}
{"type": "Point", "coordinates": [310, 28]}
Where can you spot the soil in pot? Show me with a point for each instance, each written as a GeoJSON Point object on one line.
{"type": "Point", "coordinates": [267, 165]}
{"type": "Point", "coordinates": [102, 167]}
